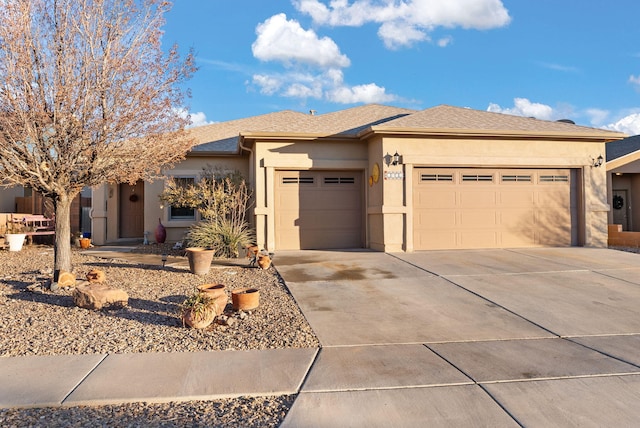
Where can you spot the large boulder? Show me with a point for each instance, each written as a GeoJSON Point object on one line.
{"type": "Point", "coordinates": [97, 296]}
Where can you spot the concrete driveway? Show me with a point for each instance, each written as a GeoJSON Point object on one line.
{"type": "Point", "coordinates": [531, 337]}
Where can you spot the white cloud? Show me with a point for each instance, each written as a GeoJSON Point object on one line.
{"type": "Point", "coordinates": [417, 17]}
{"type": "Point", "coordinates": [197, 119]}
{"type": "Point", "coordinates": [524, 107]}
{"type": "Point", "coordinates": [313, 65]}
{"type": "Point", "coordinates": [269, 85]}
{"type": "Point", "coordinates": [370, 93]}
{"type": "Point", "coordinates": [328, 85]}
{"type": "Point", "coordinates": [635, 80]}
{"type": "Point", "coordinates": [629, 124]}
{"type": "Point", "coordinates": [445, 41]}
{"type": "Point", "coordinates": [285, 41]}
{"type": "Point", "coordinates": [395, 35]}
{"type": "Point", "coordinates": [597, 117]}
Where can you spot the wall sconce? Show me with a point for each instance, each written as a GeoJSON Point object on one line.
{"type": "Point", "coordinates": [597, 162]}
{"type": "Point", "coordinates": [392, 160]}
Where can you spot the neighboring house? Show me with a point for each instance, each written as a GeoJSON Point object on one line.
{"type": "Point", "coordinates": [462, 179]}
{"type": "Point", "coordinates": [623, 183]}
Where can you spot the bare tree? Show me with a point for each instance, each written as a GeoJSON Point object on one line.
{"type": "Point", "coordinates": [87, 97]}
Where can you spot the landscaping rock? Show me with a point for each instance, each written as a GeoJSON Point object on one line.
{"type": "Point", "coordinates": [97, 296]}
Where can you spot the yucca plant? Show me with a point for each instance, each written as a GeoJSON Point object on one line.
{"type": "Point", "coordinates": [224, 236]}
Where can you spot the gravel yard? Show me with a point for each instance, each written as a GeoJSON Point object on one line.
{"type": "Point", "coordinates": [37, 321]}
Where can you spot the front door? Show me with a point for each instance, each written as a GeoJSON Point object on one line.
{"type": "Point", "coordinates": [132, 210]}
{"type": "Point", "coordinates": [621, 208]}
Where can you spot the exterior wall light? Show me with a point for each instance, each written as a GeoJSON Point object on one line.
{"type": "Point", "coordinates": [392, 160]}
{"type": "Point", "coordinates": [597, 162]}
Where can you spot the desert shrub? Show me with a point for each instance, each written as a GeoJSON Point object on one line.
{"type": "Point", "coordinates": [222, 199]}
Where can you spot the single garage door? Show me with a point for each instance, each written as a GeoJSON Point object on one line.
{"type": "Point", "coordinates": [319, 209]}
{"type": "Point", "coordinates": [492, 208]}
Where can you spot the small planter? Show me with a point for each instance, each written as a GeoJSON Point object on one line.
{"type": "Point", "coordinates": [85, 243]}
{"type": "Point", "coordinates": [216, 293]}
{"type": "Point", "coordinates": [245, 299]}
{"type": "Point", "coordinates": [15, 240]}
{"type": "Point", "coordinates": [198, 319]}
{"type": "Point", "coordinates": [212, 290]}
{"type": "Point", "coordinates": [199, 260]}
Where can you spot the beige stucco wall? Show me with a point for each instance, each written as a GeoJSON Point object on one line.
{"type": "Point", "coordinates": [486, 152]}
{"type": "Point", "coordinates": [105, 209]}
{"type": "Point", "coordinates": [388, 222]}
{"type": "Point", "coordinates": [270, 156]}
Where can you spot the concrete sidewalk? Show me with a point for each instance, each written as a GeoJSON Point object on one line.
{"type": "Point", "coordinates": [533, 337]}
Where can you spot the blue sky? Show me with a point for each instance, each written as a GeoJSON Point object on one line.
{"type": "Point", "coordinates": [549, 59]}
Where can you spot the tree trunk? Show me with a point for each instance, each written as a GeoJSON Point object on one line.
{"type": "Point", "coordinates": [62, 245]}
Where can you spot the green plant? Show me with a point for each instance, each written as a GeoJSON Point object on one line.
{"type": "Point", "coordinates": [199, 305]}
{"type": "Point", "coordinates": [224, 236]}
{"type": "Point", "coordinates": [222, 199]}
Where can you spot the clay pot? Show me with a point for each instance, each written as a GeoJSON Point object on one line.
{"type": "Point", "coordinates": [199, 260]}
{"type": "Point", "coordinates": [245, 299]}
{"type": "Point", "coordinates": [216, 293]}
{"type": "Point", "coordinates": [85, 243]}
{"type": "Point", "coordinates": [200, 319]}
{"type": "Point", "coordinates": [213, 291]}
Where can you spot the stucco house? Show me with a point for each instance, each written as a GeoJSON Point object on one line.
{"type": "Point", "coordinates": [390, 179]}
{"type": "Point", "coordinates": [623, 188]}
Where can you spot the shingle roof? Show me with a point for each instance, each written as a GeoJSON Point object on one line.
{"type": "Point", "coordinates": [617, 149]}
{"type": "Point", "coordinates": [450, 118]}
{"type": "Point", "coordinates": [223, 137]}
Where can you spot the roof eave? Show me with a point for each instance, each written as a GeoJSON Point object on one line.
{"type": "Point", "coordinates": [279, 136]}
{"type": "Point", "coordinates": [452, 132]}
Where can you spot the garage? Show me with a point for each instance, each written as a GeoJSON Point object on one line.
{"type": "Point", "coordinates": [318, 209]}
{"type": "Point", "coordinates": [466, 208]}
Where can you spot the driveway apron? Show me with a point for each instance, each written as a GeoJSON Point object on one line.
{"type": "Point", "coordinates": [529, 337]}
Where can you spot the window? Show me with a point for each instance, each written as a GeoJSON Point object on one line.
{"type": "Point", "coordinates": [339, 180]}
{"type": "Point", "coordinates": [477, 177]}
{"type": "Point", "coordinates": [554, 179]}
{"type": "Point", "coordinates": [514, 178]}
{"type": "Point", "coordinates": [436, 177]}
{"type": "Point", "coordinates": [297, 180]}
{"type": "Point", "coordinates": [182, 213]}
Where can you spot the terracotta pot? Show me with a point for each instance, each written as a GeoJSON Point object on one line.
{"type": "Point", "coordinates": [212, 290]}
{"type": "Point", "coordinates": [198, 320]}
{"type": "Point", "coordinates": [245, 299]}
{"type": "Point", "coordinates": [199, 260]}
{"type": "Point", "coordinates": [85, 243]}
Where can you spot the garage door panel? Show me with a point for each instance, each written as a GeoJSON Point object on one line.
{"type": "Point", "coordinates": [478, 219]}
{"type": "Point", "coordinates": [436, 220]}
{"type": "Point", "coordinates": [478, 239]}
{"type": "Point", "coordinates": [476, 198]}
{"type": "Point", "coordinates": [518, 219]}
{"type": "Point", "coordinates": [492, 208]}
{"type": "Point", "coordinates": [318, 209]}
{"type": "Point", "coordinates": [440, 199]}
{"type": "Point", "coordinates": [515, 198]}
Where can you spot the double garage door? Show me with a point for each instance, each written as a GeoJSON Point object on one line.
{"type": "Point", "coordinates": [492, 208]}
{"type": "Point", "coordinates": [319, 209]}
